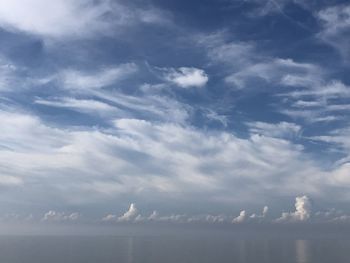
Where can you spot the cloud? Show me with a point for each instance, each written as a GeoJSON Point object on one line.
{"type": "Point", "coordinates": [185, 77]}
{"type": "Point", "coordinates": [72, 19]}
{"type": "Point", "coordinates": [153, 216]}
{"type": "Point", "coordinates": [81, 105]}
{"type": "Point", "coordinates": [9, 73]}
{"type": "Point", "coordinates": [53, 216]}
{"type": "Point", "coordinates": [336, 27]}
{"type": "Point", "coordinates": [130, 214]}
{"type": "Point", "coordinates": [134, 216]}
{"type": "Point", "coordinates": [57, 19]}
{"type": "Point", "coordinates": [277, 71]}
{"type": "Point", "coordinates": [241, 218]}
{"type": "Point", "coordinates": [74, 79]}
{"type": "Point", "coordinates": [170, 162]}
{"type": "Point", "coordinates": [281, 129]}
{"type": "Point", "coordinates": [109, 218]}
{"type": "Point", "coordinates": [214, 116]}
{"type": "Point", "coordinates": [302, 211]}
{"type": "Point", "coordinates": [262, 216]}
{"type": "Point", "coordinates": [265, 211]}
{"type": "Point", "coordinates": [318, 103]}
{"type": "Point", "coordinates": [100, 92]}
{"type": "Point", "coordinates": [307, 90]}
{"type": "Point", "coordinates": [237, 54]}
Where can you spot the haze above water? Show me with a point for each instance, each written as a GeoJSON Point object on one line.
{"type": "Point", "coordinates": [42, 249]}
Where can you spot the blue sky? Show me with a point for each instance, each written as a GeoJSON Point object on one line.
{"type": "Point", "coordinates": [185, 108]}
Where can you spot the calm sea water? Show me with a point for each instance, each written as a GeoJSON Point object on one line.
{"type": "Point", "coordinates": [169, 250]}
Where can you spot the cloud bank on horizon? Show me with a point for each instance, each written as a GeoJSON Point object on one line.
{"type": "Point", "coordinates": [198, 112]}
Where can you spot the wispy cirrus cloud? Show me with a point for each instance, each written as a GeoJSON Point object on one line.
{"type": "Point", "coordinates": [336, 27]}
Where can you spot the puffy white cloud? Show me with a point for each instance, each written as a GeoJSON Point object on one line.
{"type": "Point", "coordinates": [109, 218]}
{"type": "Point", "coordinates": [241, 218]}
{"type": "Point", "coordinates": [262, 216]}
{"type": "Point", "coordinates": [130, 214]}
{"type": "Point", "coordinates": [187, 77]}
{"type": "Point", "coordinates": [302, 211]}
{"type": "Point", "coordinates": [53, 216]}
{"type": "Point", "coordinates": [153, 216]}
{"type": "Point", "coordinates": [265, 211]}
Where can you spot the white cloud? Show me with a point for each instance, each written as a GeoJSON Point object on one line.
{"type": "Point", "coordinates": [214, 116]}
{"type": "Point", "coordinates": [169, 162]}
{"type": "Point", "coordinates": [262, 216]}
{"type": "Point", "coordinates": [234, 54]}
{"type": "Point", "coordinates": [153, 216]}
{"type": "Point", "coordinates": [53, 216]}
{"type": "Point", "coordinates": [109, 218]}
{"type": "Point", "coordinates": [265, 211]}
{"type": "Point", "coordinates": [87, 80]}
{"type": "Point", "coordinates": [318, 103]}
{"type": "Point", "coordinates": [187, 77]}
{"type": "Point", "coordinates": [81, 105]}
{"type": "Point", "coordinates": [281, 129]}
{"type": "Point", "coordinates": [336, 27]}
{"type": "Point", "coordinates": [241, 218]}
{"type": "Point", "coordinates": [78, 18]}
{"type": "Point", "coordinates": [130, 214]}
{"type": "Point", "coordinates": [9, 72]}
{"type": "Point", "coordinates": [302, 211]}
{"type": "Point", "coordinates": [278, 71]}
{"type": "Point", "coordinates": [54, 19]}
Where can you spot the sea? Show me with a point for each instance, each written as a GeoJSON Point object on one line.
{"type": "Point", "coordinates": [171, 249]}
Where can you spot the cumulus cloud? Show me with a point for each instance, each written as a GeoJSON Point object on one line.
{"type": "Point", "coordinates": [153, 216]}
{"type": "Point", "coordinates": [130, 214]}
{"type": "Point", "coordinates": [241, 218]}
{"type": "Point", "coordinates": [133, 215]}
{"type": "Point", "coordinates": [262, 216]}
{"type": "Point", "coordinates": [185, 77]}
{"type": "Point", "coordinates": [265, 211]}
{"type": "Point", "coordinates": [302, 211]}
{"type": "Point", "coordinates": [53, 216]}
{"type": "Point", "coordinates": [109, 218]}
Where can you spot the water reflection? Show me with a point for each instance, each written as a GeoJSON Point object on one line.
{"type": "Point", "coordinates": [130, 250]}
{"type": "Point", "coordinates": [302, 251]}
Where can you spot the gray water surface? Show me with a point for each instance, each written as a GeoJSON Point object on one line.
{"type": "Point", "coordinates": [44, 249]}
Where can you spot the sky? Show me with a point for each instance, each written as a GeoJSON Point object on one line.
{"type": "Point", "coordinates": [225, 111]}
